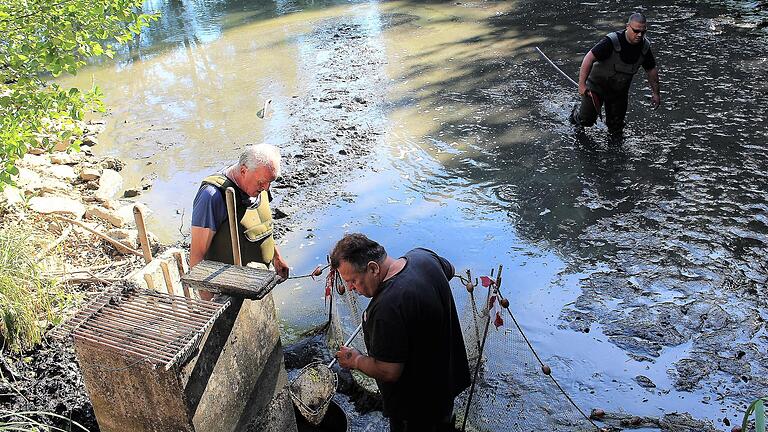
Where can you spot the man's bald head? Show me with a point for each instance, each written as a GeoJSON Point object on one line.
{"type": "Point", "coordinates": [637, 17]}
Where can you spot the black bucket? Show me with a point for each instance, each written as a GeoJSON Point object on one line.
{"type": "Point", "coordinates": [335, 420]}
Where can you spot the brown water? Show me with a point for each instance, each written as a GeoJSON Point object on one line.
{"type": "Point", "coordinates": [644, 257]}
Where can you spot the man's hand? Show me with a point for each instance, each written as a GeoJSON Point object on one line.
{"type": "Point", "coordinates": [349, 358]}
{"type": "Point", "coordinates": [281, 267]}
{"type": "Point", "coordinates": [655, 100]}
{"type": "Point", "coordinates": [583, 89]}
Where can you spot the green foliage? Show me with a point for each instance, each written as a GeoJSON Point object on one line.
{"type": "Point", "coordinates": [758, 408]}
{"type": "Point", "coordinates": [29, 302]}
{"type": "Point", "coordinates": [28, 421]}
{"type": "Point", "coordinates": [44, 38]}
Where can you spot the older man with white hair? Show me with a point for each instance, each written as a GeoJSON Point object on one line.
{"type": "Point", "coordinates": [259, 165]}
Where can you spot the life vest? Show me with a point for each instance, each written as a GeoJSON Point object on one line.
{"type": "Point", "coordinates": [257, 243]}
{"type": "Point", "coordinates": [612, 74]}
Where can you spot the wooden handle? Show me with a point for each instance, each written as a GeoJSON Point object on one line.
{"type": "Point", "coordinates": [138, 216]}
{"type": "Point", "coordinates": [232, 213]}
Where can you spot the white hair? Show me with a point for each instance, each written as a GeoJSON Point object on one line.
{"type": "Point", "coordinates": [258, 155]}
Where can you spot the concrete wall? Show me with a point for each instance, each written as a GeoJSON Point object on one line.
{"type": "Point", "coordinates": [236, 382]}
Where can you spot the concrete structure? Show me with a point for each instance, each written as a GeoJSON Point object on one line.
{"type": "Point", "coordinates": [235, 382]}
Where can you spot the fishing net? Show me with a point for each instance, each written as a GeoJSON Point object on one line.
{"type": "Point", "coordinates": [514, 390]}
{"type": "Point", "coordinates": [345, 317]}
{"type": "Point", "coordinates": [312, 390]}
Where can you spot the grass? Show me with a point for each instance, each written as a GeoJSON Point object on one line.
{"type": "Point", "coordinates": [27, 421]}
{"type": "Point", "coordinates": [29, 302]}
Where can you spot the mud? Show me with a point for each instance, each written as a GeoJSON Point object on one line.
{"type": "Point", "coordinates": [48, 380]}
{"type": "Point", "coordinates": [334, 126]}
{"type": "Point", "coordinates": [334, 131]}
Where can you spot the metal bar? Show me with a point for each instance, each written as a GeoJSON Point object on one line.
{"type": "Point", "coordinates": [204, 304]}
{"type": "Point", "coordinates": [185, 307]}
{"type": "Point", "coordinates": [185, 352]}
{"type": "Point", "coordinates": [180, 320]}
{"type": "Point", "coordinates": [557, 68]}
{"type": "Point", "coordinates": [145, 331]}
{"type": "Point", "coordinates": [132, 349]}
{"type": "Point", "coordinates": [126, 339]}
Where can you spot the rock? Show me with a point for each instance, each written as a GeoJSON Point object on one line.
{"type": "Point", "coordinates": [35, 151]}
{"type": "Point", "coordinates": [64, 172]}
{"type": "Point", "coordinates": [128, 237]}
{"type": "Point", "coordinates": [90, 140]}
{"type": "Point", "coordinates": [147, 180]}
{"type": "Point", "coordinates": [31, 181]}
{"type": "Point", "coordinates": [10, 197]}
{"type": "Point", "coordinates": [131, 192]}
{"type": "Point", "coordinates": [645, 382]}
{"type": "Point", "coordinates": [88, 174]}
{"type": "Point", "coordinates": [112, 163]}
{"type": "Point", "coordinates": [110, 216]}
{"type": "Point", "coordinates": [279, 213]}
{"type": "Point", "coordinates": [110, 184]}
{"type": "Point", "coordinates": [63, 158]}
{"type": "Point", "coordinates": [126, 212]}
{"type": "Point", "coordinates": [62, 145]}
{"type": "Point", "coordinates": [57, 205]}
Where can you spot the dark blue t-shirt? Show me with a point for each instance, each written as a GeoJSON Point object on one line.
{"type": "Point", "coordinates": [209, 210]}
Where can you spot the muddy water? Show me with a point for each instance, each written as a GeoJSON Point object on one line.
{"type": "Point", "coordinates": [436, 124]}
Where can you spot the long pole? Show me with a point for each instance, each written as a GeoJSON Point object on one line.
{"type": "Point", "coordinates": [557, 68]}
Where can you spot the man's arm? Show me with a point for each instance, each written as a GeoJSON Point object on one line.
{"type": "Point", "coordinates": [584, 70]}
{"type": "Point", "coordinates": [281, 267]}
{"type": "Point", "coordinates": [350, 358]}
{"type": "Point", "coordinates": [201, 241]}
{"type": "Point", "coordinates": [653, 81]}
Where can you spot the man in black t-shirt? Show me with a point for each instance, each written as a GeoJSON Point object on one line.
{"type": "Point", "coordinates": [415, 346]}
{"type": "Point", "coordinates": [607, 71]}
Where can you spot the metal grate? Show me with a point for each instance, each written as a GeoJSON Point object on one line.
{"type": "Point", "coordinates": [150, 326]}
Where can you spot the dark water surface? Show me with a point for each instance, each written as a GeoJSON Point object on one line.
{"type": "Point", "coordinates": [645, 257]}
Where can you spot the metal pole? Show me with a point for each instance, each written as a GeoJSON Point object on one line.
{"type": "Point", "coordinates": [557, 68]}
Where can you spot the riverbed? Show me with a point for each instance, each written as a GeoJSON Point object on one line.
{"type": "Point", "coordinates": [436, 124]}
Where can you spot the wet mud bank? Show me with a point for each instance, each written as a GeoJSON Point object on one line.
{"type": "Point", "coordinates": [333, 131]}
{"type": "Point", "coordinates": [334, 124]}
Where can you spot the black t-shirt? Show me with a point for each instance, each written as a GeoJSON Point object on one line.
{"type": "Point", "coordinates": [413, 320]}
{"type": "Point", "coordinates": [629, 53]}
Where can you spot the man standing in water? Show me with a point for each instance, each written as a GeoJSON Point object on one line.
{"type": "Point", "coordinates": [607, 71]}
{"type": "Point", "coordinates": [258, 166]}
{"type": "Point", "coordinates": [412, 333]}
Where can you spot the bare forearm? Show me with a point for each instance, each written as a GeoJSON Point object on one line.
{"type": "Point", "coordinates": [653, 80]}
{"type": "Point", "coordinates": [383, 371]}
{"type": "Point", "coordinates": [584, 70]}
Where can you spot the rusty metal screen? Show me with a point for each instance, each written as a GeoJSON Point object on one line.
{"type": "Point", "coordinates": [157, 328]}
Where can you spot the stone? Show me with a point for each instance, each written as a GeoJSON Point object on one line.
{"type": "Point", "coordinates": [10, 196]}
{"type": "Point", "coordinates": [645, 382]}
{"type": "Point", "coordinates": [131, 193]}
{"type": "Point", "coordinates": [35, 151]}
{"type": "Point", "coordinates": [112, 163]}
{"type": "Point", "coordinates": [57, 205]}
{"type": "Point", "coordinates": [110, 183]}
{"type": "Point", "coordinates": [147, 180]}
{"type": "Point", "coordinates": [64, 172]}
{"type": "Point", "coordinates": [105, 214]}
{"type": "Point", "coordinates": [128, 237]}
{"type": "Point", "coordinates": [89, 174]}
{"type": "Point", "coordinates": [64, 158]}
{"type": "Point", "coordinates": [32, 160]}
{"type": "Point", "coordinates": [62, 145]}
{"type": "Point", "coordinates": [31, 181]}
{"type": "Point", "coordinates": [90, 140]}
